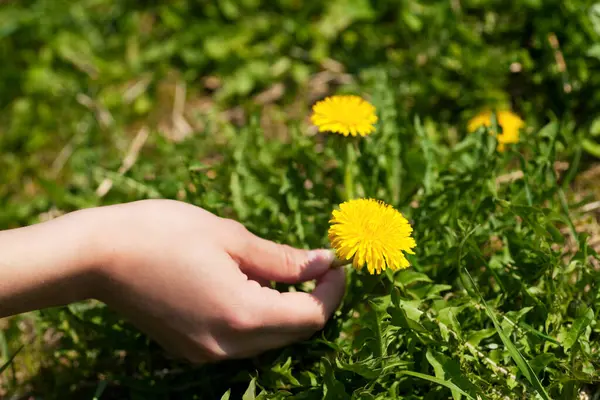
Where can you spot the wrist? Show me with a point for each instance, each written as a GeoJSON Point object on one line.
{"type": "Point", "coordinates": [106, 245]}
{"type": "Point", "coordinates": [47, 264]}
{"type": "Point", "coordinates": [89, 255]}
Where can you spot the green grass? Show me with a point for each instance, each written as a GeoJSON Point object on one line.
{"type": "Point", "coordinates": [502, 298]}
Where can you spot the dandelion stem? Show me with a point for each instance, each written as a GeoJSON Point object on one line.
{"type": "Point", "coordinates": [349, 170]}
{"type": "Point", "coordinates": [338, 262]}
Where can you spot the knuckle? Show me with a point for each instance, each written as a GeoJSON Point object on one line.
{"type": "Point", "coordinates": [235, 227]}
{"type": "Point", "coordinates": [289, 261]}
{"type": "Point", "coordinates": [240, 322]}
{"type": "Point", "coordinates": [209, 351]}
{"type": "Point", "coordinates": [317, 319]}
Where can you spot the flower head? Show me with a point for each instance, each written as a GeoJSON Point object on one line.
{"type": "Point", "coordinates": [372, 232]}
{"type": "Point", "coordinates": [347, 115]}
{"type": "Point", "coordinates": [510, 122]}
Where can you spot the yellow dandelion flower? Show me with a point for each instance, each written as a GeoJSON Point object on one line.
{"type": "Point", "coordinates": [510, 122]}
{"type": "Point", "coordinates": [372, 232]}
{"type": "Point", "coordinates": [346, 115]}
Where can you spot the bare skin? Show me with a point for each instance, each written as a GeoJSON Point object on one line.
{"type": "Point", "coordinates": [191, 280]}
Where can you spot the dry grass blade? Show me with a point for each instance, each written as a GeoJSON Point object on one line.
{"type": "Point", "coordinates": [129, 160]}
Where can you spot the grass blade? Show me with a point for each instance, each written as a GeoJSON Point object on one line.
{"type": "Point", "coordinates": [10, 360]}
{"type": "Point", "coordinates": [428, 154]}
{"type": "Point", "coordinates": [100, 389]}
{"type": "Point", "coordinates": [516, 355]}
{"type": "Point", "coordinates": [439, 381]}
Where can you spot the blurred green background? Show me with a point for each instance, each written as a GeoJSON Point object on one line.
{"type": "Point", "coordinates": [104, 102]}
{"type": "Point", "coordinates": [84, 76]}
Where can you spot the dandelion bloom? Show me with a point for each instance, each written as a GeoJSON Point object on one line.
{"type": "Point", "coordinates": [346, 115]}
{"type": "Point", "coordinates": [372, 232]}
{"type": "Point", "coordinates": [510, 122]}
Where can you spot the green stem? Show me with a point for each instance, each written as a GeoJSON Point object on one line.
{"type": "Point", "coordinates": [349, 170]}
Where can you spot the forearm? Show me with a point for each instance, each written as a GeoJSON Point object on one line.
{"type": "Point", "coordinates": [46, 265]}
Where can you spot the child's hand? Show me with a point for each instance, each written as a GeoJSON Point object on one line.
{"type": "Point", "coordinates": [196, 283]}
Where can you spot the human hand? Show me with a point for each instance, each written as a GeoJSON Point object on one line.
{"type": "Point", "coordinates": [195, 282]}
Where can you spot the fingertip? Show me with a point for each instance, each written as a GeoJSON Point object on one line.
{"type": "Point", "coordinates": [317, 263]}
{"type": "Point", "coordinates": [309, 311]}
{"type": "Point", "coordinates": [330, 289]}
{"type": "Point", "coordinates": [321, 256]}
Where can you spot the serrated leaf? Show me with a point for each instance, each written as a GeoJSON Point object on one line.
{"type": "Point", "coordinates": [393, 365]}
{"type": "Point", "coordinates": [448, 369]}
{"type": "Point", "coordinates": [226, 395]}
{"type": "Point", "coordinates": [332, 388]}
{"type": "Point", "coordinates": [399, 318]}
{"type": "Point", "coordinates": [480, 335]}
{"type": "Point", "coordinates": [409, 276]}
{"type": "Point", "coordinates": [366, 368]}
{"type": "Point", "coordinates": [411, 307]}
{"type": "Point", "coordinates": [512, 317]}
{"type": "Point", "coordinates": [428, 291]}
{"type": "Point", "coordinates": [436, 364]}
{"type": "Point", "coordinates": [448, 317]}
{"type": "Point", "coordinates": [375, 319]}
{"type": "Point", "coordinates": [439, 381]}
{"type": "Point", "coordinates": [540, 362]}
{"type": "Point", "coordinates": [577, 329]}
{"type": "Point", "coordinates": [435, 290]}
{"type": "Point", "coordinates": [285, 371]}
{"type": "Point", "coordinates": [250, 393]}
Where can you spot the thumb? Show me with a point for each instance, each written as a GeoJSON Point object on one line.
{"type": "Point", "coordinates": [278, 262]}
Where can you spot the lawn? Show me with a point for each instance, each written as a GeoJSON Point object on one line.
{"type": "Point", "coordinates": [209, 103]}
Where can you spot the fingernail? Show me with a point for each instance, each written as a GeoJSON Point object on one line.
{"type": "Point", "coordinates": [321, 255]}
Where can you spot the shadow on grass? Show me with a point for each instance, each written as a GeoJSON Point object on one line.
{"type": "Point", "coordinates": [99, 356]}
